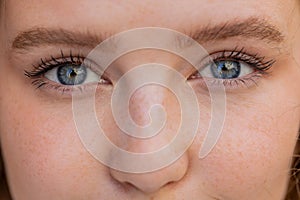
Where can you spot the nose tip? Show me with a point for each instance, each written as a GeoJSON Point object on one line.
{"type": "Point", "coordinates": [153, 181]}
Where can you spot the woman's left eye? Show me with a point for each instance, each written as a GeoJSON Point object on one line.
{"type": "Point", "coordinates": [233, 69]}
{"type": "Point", "coordinates": [71, 74]}
{"type": "Point", "coordinates": [226, 69]}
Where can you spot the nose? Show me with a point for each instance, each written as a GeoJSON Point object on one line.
{"type": "Point", "coordinates": [139, 105]}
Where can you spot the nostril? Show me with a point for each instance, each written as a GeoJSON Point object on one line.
{"type": "Point", "coordinates": [129, 185]}
{"type": "Point", "coordinates": [170, 183]}
{"type": "Point", "coordinates": [145, 188]}
{"type": "Point", "coordinates": [125, 186]}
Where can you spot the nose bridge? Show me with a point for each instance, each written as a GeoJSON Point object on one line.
{"type": "Point", "coordinates": [163, 124]}
{"type": "Point", "coordinates": [144, 99]}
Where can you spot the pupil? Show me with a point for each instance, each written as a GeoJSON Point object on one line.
{"type": "Point", "coordinates": [224, 68]}
{"type": "Point", "coordinates": [73, 74]}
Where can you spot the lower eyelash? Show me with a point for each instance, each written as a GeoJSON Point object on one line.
{"type": "Point", "coordinates": [62, 89]}
{"type": "Point", "coordinates": [231, 84]}
{"type": "Point", "coordinates": [39, 83]}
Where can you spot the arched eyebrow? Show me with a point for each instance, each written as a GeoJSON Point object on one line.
{"type": "Point", "coordinates": [251, 28]}
{"type": "Point", "coordinates": [44, 36]}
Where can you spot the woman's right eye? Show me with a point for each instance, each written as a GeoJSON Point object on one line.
{"type": "Point", "coordinates": [72, 74]}
{"type": "Point", "coordinates": [59, 74]}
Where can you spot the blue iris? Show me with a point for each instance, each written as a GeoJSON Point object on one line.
{"type": "Point", "coordinates": [226, 69]}
{"type": "Point", "coordinates": [70, 74]}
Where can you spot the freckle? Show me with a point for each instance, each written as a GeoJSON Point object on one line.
{"type": "Point", "coordinates": [241, 155]}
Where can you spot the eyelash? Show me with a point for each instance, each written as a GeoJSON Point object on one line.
{"type": "Point", "coordinates": [258, 63]}
{"type": "Point", "coordinates": [45, 65]}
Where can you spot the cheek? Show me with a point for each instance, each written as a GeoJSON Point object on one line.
{"type": "Point", "coordinates": [41, 148]}
{"type": "Point", "coordinates": [252, 157]}
{"type": "Point", "coordinates": [261, 129]}
{"type": "Point", "coordinates": [250, 161]}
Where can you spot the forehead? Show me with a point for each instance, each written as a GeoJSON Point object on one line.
{"type": "Point", "coordinates": [116, 15]}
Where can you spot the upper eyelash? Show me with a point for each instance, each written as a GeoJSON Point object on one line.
{"type": "Point", "coordinates": [253, 60]}
{"type": "Point", "coordinates": [256, 61]}
{"type": "Point", "coordinates": [45, 66]}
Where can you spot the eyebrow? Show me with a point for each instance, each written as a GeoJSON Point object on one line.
{"type": "Point", "coordinates": [250, 28]}
{"type": "Point", "coordinates": [42, 36]}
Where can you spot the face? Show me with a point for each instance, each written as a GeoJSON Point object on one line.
{"type": "Point", "coordinates": [255, 47]}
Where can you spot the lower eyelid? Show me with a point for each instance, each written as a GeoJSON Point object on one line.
{"type": "Point", "coordinates": [55, 89]}
{"type": "Point", "coordinates": [245, 82]}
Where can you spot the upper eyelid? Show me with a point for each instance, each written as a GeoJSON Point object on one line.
{"type": "Point", "coordinates": [45, 65]}
{"type": "Point", "coordinates": [236, 53]}
{"type": "Point", "coordinates": [239, 55]}
{"type": "Point", "coordinates": [85, 60]}
{"type": "Point", "coordinates": [50, 62]}
{"type": "Point", "coordinates": [63, 59]}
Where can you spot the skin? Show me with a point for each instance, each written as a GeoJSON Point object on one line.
{"type": "Point", "coordinates": [45, 158]}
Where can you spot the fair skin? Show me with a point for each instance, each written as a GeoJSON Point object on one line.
{"type": "Point", "coordinates": [45, 158]}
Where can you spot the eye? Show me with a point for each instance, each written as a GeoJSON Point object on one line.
{"type": "Point", "coordinates": [233, 69]}
{"type": "Point", "coordinates": [57, 75]}
{"type": "Point", "coordinates": [71, 74]}
{"type": "Point", "coordinates": [226, 69]}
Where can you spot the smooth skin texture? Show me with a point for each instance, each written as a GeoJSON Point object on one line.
{"type": "Point", "coordinates": [44, 157]}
